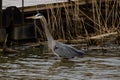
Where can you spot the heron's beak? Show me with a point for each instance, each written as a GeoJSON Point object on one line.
{"type": "Point", "coordinates": [34, 17]}
{"type": "Point", "coordinates": [37, 16]}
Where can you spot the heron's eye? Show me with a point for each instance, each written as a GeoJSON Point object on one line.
{"type": "Point", "coordinates": [55, 47]}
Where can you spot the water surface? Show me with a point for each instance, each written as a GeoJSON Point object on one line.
{"type": "Point", "coordinates": [39, 63]}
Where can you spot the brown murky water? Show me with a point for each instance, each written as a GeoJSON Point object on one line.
{"type": "Point", "coordinates": [38, 63]}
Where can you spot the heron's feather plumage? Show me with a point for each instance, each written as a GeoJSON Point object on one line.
{"type": "Point", "coordinates": [66, 51]}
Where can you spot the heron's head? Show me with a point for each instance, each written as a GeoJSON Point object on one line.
{"type": "Point", "coordinates": [38, 16]}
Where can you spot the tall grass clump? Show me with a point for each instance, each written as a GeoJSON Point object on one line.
{"type": "Point", "coordinates": [83, 19]}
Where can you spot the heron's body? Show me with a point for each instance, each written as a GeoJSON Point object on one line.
{"type": "Point", "coordinates": [61, 50]}
{"type": "Point", "coordinates": [66, 51]}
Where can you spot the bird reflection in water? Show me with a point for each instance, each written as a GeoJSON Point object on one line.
{"type": "Point", "coordinates": [60, 65]}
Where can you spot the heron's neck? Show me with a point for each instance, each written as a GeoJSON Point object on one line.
{"type": "Point", "coordinates": [51, 41]}
{"type": "Point", "coordinates": [45, 25]}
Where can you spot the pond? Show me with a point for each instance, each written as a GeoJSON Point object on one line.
{"type": "Point", "coordinates": [39, 63]}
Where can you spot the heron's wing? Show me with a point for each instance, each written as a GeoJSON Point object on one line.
{"type": "Point", "coordinates": [66, 51]}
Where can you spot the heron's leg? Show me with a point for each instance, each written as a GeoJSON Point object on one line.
{"type": "Point", "coordinates": [55, 53]}
{"type": "Point", "coordinates": [64, 59]}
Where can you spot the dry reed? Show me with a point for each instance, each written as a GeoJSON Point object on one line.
{"type": "Point", "coordinates": [74, 21]}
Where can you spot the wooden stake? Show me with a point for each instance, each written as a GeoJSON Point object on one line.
{"type": "Point", "coordinates": [0, 13]}
{"type": "Point", "coordinates": [22, 12]}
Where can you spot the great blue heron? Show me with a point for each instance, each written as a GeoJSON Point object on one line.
{"type": "Point", "coordinates": [60, 49]}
